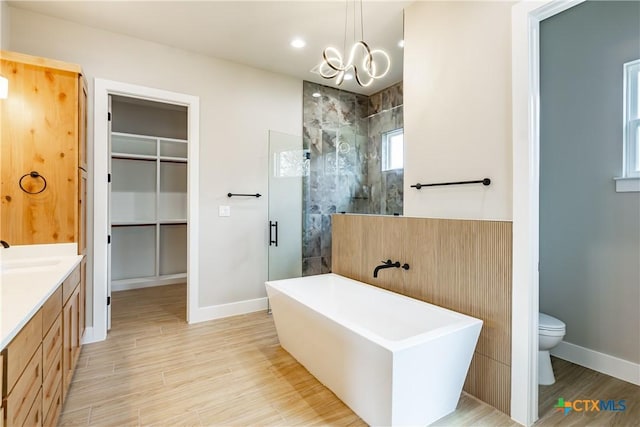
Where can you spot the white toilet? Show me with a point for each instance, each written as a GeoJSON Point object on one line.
{"type": "Point", "coordinates": [550, 333]}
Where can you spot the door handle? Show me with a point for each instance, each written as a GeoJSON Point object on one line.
{"type": "Point", "coordinates": [273, 233]}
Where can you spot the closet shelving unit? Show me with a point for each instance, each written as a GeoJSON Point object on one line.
{"type": "Point", "coordinates": [148, 210]}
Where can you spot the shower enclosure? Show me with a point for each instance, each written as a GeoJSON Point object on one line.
{"type": "Point", "coordinates": [349, 160]}
{"type": "Point", "coordinates": [288, 164]}
{"type": "Point", "coordinates": [355, 165]}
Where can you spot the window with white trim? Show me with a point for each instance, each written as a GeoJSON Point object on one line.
{"type": "Point", "coordinates": [632, 119]}
{"type": "Point", "coordinates": [393, 150]}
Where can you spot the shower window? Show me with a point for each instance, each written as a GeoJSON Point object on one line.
{"type": "Point", "coordinates": [393, 150]}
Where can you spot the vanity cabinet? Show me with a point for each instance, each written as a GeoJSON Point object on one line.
{"type": "Point", "coordinates": [38, 364]}
{"type": "Point", "coordinates": [42, 130]}
{"type": "Point", "coordinates": [23, 376]}
{"type": "Point", "coordinates": [72, 325]}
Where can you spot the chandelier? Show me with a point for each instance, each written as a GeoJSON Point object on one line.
{"type": "Point", "coordinates": [367, 64]}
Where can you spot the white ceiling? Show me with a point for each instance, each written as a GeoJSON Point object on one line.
{"type": "Point", "coordinates": [255, 33]}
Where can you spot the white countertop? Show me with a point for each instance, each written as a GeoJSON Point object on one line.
{"type": "Point", "coordinates": [28, 277]}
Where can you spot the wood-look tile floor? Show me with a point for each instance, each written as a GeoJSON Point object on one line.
{"type": "Point", "coordinates": [576, 382]}
{"type": "Point", "coordinates": [155, 369]}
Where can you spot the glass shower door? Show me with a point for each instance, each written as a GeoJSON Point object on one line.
{"type": "Point", "coordinates": [287, 166]}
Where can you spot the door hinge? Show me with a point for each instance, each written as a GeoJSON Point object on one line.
{"type": "Point", "coordinates": [108, 300]}
{"type": "Point", "coordinates": [108, 177]}
{"type": "Point", "coordinates": [109, 116]}
{"type": "Point", "coordinates": [109, 239]}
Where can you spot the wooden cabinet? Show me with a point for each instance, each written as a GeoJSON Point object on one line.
{"type": "Point", "coordinates": [42, 123]}
{"type": "Point", "coordinates": [38, 364]}
{"type": "Point", "coordinates": [72, 325]}
{"type": "Point", "coordinates": [23, 375]}
{"type": "Point", "coordinates": [52, 356]}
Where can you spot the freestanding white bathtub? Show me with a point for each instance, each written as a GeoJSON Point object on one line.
{"type": "Point", "coordinates": [392, 359]}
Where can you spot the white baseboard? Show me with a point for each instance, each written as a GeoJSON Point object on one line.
{"type": "Point", "coordinates": [88, 336]}
{"type": "Point", "coordinates": [127, 286]}
{"type": "Point", "coordinates": [212, 312]}
{"type": "Point", "coordinates": [604, 363]}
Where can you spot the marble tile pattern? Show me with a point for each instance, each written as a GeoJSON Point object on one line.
{"type": "Point", "coordinates": [343, 133]}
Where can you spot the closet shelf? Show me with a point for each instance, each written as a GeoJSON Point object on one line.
{"type": "Point", "coordinates": [143, 223]}
{"type": "Point", "coordinates": [135, 156]}
{"type": "Point", "coordinates": [148, 210]}
{"type": "Point", "coordinates": [173, 159]}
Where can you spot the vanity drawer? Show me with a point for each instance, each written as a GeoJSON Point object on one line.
{"type": "Point", "coordinates": [20, 350]}
{"type": "Point", "coordinates": [52, 344]}
{"type": "Point", "coordinates": [51, 309]}
{"type": "Point", "coordinates": [34, 417]}
{"type": "Point", "coordinates": [28, 386]}
{"type": "Point", "coordinates": [51, 415]}
{"type": "Point", "coordinates": [70, 283]}
{"type": "Point", "coordinates": [51, 384]}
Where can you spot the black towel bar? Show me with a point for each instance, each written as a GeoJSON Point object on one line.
{"type": "Point", "coordinates": [484, 181]}
{"type": "Point", "coordinates": [244, 195]}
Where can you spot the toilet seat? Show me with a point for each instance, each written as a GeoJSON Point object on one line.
{"type": "Point", "coordinates": [549, 325]}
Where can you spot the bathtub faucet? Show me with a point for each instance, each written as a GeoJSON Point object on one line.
{"type": "Point", "coordinates": [386, 264]}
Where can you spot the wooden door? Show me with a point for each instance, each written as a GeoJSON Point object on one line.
{"type": "Point", "coordinates": [70, 342]}
{"type": "Point", "coordinates": [82, 123]}
{"type": "Point", "coordinates": [82, 324]}
{"type": "Point", "coordinates": [39, 133]}
{"type": "Point", "coordinates": [82, 212]}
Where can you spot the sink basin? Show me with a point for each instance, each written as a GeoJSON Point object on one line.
{"type": "Point", "coordinates": [36, 264]}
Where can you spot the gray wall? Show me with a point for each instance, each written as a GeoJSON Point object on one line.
{"type": "Point", "coordinates": [589, 234]}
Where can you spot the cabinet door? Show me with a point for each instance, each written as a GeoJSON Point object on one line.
{"type": "Point", "coordinates": [82, 212]}
{"type": "Point", "coordinates": [82, 123]}
{"type": "Point", "coordinates": [82, 305]}
{"type": "Point", "coordinates": [70, 320]}
{"type": "Point", "coordinates": [39, 133]}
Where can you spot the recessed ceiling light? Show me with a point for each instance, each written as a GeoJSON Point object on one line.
{"type": "Point", "coordinates": [348, 76]}
{"type": "Point", "coordinates": [298, 43]}
{"type": "Point", "coordinates": [316, 94]}
{"type": "Point", "coordinates": [401, 43]}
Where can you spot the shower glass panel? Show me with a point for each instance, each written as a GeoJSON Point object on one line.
{"type": "Point", "coordinates": [288, 164]}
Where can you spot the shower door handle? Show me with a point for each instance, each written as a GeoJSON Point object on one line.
{"type": "Point", "coordinates": [273, 233]}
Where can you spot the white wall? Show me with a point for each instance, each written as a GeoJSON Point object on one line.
{"type": "Point", "coordinates": [238, 106]}
{"type": "Point", "coordinates": [457, 98]}
{"type": "Point", "coordinates": [4, 25]}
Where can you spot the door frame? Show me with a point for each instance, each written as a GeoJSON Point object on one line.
{"type": "Point", "coordinates": [525, 79]}
{"type": "Point", "coordinates": [102, 89]}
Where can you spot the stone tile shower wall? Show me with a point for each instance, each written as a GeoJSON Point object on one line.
{"type": "Point", "coordinates": [342, 134]}
{"type": "Point", "coordinates": [385, 114]}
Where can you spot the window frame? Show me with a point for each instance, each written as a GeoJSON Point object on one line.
{"type": "Point", "coordinates": [385, 149]}
{"type": "Point", "coordinates": [630, 179]}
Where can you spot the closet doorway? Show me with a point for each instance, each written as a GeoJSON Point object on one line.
{"type": "Point", "coordinates": [145, 216]}
{"type": "Point", "coordinates": [148, 197]}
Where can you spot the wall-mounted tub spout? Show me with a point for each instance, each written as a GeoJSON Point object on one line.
{"type": "Point", "coordinates": [385, 264]}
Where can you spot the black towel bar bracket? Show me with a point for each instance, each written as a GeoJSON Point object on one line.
{"type": "Point", "coordinates": [256, 195]}
{"type": "Point", "coordinates": [484, 181]}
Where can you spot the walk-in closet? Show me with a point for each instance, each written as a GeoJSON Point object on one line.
{"type": "Point", "coordinates": [148, 194]}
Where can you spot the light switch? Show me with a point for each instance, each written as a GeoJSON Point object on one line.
{"type": "Point", "coordinates": [224, 210]}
